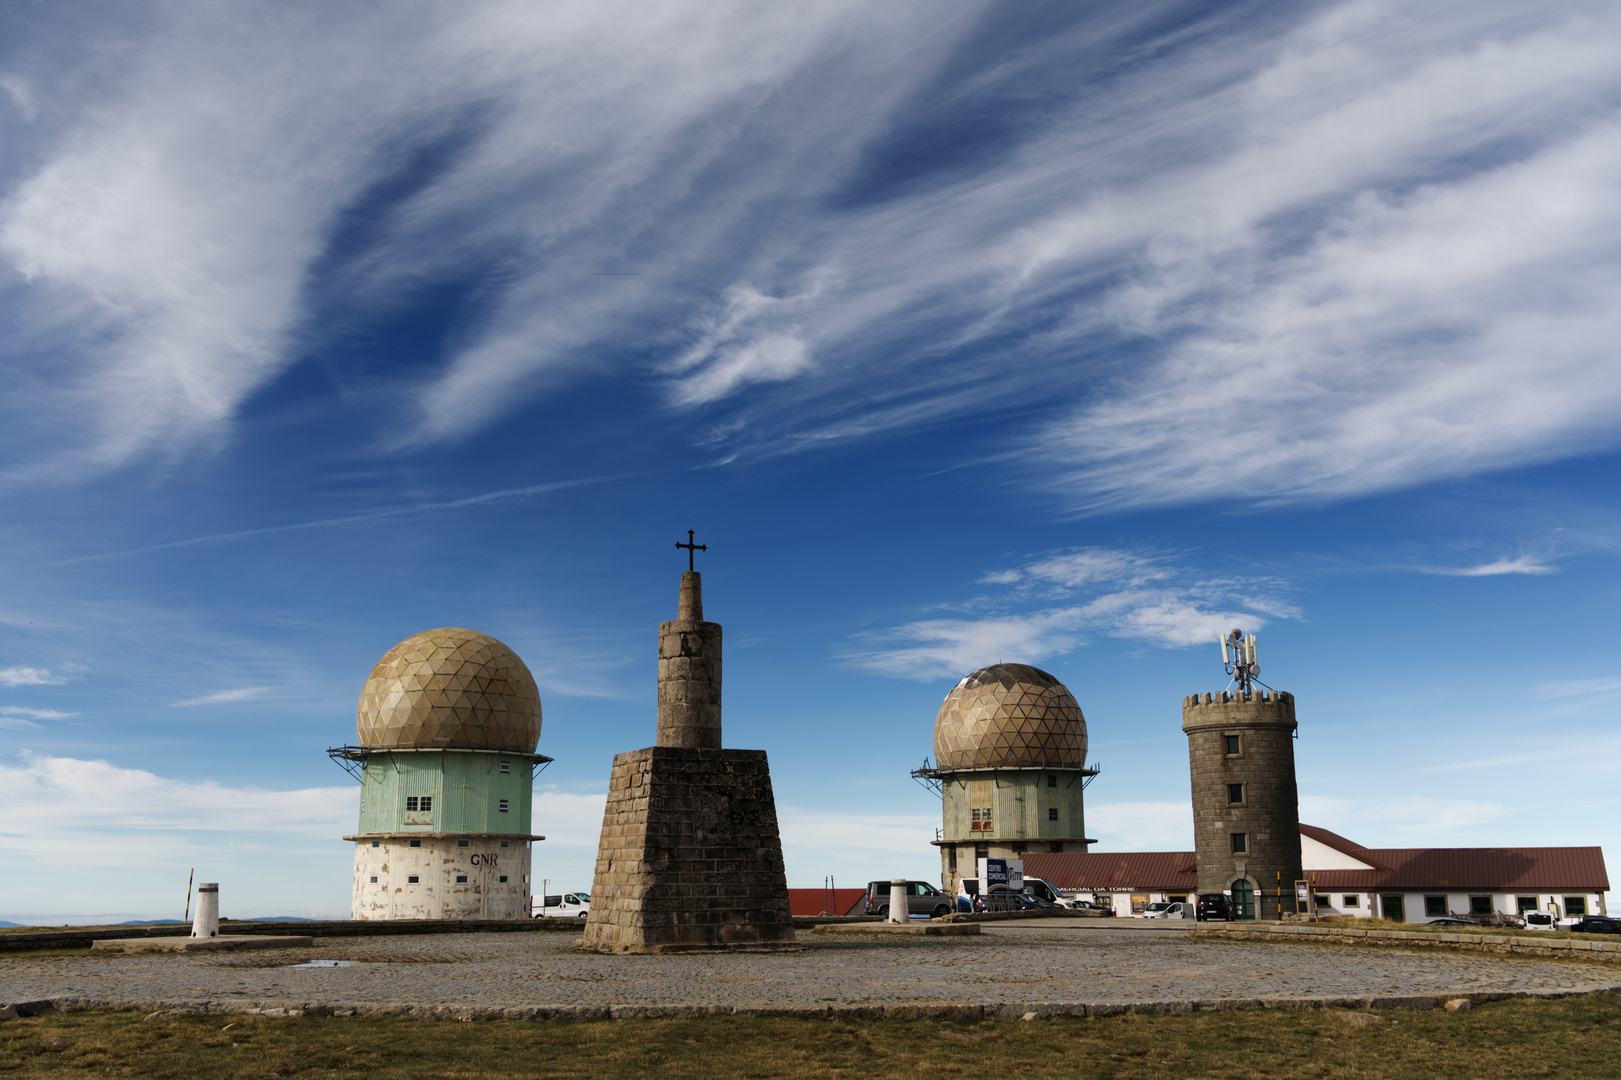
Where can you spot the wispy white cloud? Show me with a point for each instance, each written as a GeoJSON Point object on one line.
{"type": "Point", "coordinates": [221, 697]}
{"type": "Point", "coordinates": [21, 96]}
{"type": "Point", "coordinates": [1140, 826]}
{"type": "Point", "coordinates": [34, 714]}
{"type": "Point", "coordinates": [1521, 564]}
{"type": "Point", "coordinates": [384, 513]}
{"type": "Point", "coordinates": [119, 816]}
{"type": "Point", "coordinates": [1578, 688]}
{"type": "Point", "coordinates": [1561, 751]}
{"type": "Point", "coordinates": [1260, 259]}
{"type": "Point", "coordinates": [1137, 596]}
{"type": "Point", "coordinates": [1396, 820]}
{"type": "Point", "coordinates": [29, 676]}
{"type": "Point", "coordinates": [72, 828]}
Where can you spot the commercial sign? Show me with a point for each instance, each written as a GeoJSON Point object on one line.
{"type": "Point", "coordinates": [998, 875]}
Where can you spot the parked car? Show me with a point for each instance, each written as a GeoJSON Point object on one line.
{"type": "Point", "coordinates": [565, 906]}
{"type": "Point", "coordinates": [1089, 907]}
{"type": "Point", "coordinates": [921, 899]}
{"type": "Point", "coordinates": [1597, 924]}
{"type": "Point", "coordinates": [1042, 890]}
{"type": "Point", "coordinates": [1213, 905]}
{"type": "Point", "coordinates": [1170, 910]}
{"type": "Point", "coordinates": [1012, 901]}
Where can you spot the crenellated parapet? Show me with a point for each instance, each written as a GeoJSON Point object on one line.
{"type": "Point", "coordinates": [1274, 708]}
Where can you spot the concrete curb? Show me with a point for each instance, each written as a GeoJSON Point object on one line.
{"type": "Point", "coordinates": [70, 938]}
{"type": "Point", "coordinates": [933, 1011]}
{"type": "Point", "coordinates": [920, 929]}
{"type": "Point", "coordinates": [1496, 943]}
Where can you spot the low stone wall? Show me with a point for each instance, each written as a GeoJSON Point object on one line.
{"type": "Point", "coordinates": [70, 938]}
{"type": "Point", "coordinates": [1595, 949]}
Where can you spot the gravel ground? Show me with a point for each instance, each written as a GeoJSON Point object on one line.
{"type": "Point", "coordinates": [1007, 965]}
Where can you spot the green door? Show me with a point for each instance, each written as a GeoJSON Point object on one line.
{"type": "Point", "coordinates": [1391, 908]}
{"type": "Point", "coordinates": [1243, 900]}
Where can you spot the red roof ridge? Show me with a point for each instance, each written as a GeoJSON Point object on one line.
{"type": "Point", "coordinates": [1343, 846]}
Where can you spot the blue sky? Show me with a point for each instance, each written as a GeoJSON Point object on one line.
{"type": "Point", "coordinates": [1071, 335]}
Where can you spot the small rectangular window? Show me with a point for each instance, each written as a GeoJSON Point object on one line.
{"type": "Point", "coordinates": [503, 879]}
{"type": "Point", "coordinates": [1052, 781]}
{"type": "Point", "coordinates": [1351, 900]}
{"type": "Point", "coordinates": [416, 843]}
{"type": "Point", "coordinates": [506, 766]}
{"type": "Point", "coordinates": [410, 804]}
{"type": "Point", "coordinates": [1055, 848]}
{"type": "Point", "coordinates": [412, 880]}
{"type": "Point", "coordinates": [461, 843]}
{"type": "Point", "coordinates": [502, 806]}
{"type": "Point", "coordinates": [1525, 903]}
{"type": "Point", "coordinates": [1052, 813]}
{"type": "Point", "coordinates": [1575, 906]}
{"type": "Point", "coordinates": [376, 843]}
{"type": "Point", "coordinates": [374, 879]}
{"type": "Point", "coordinates": [1435, 906]}
{"type": "Point", "coordinates": [503, 843]}
{"type": "Point", "coordinates": [1241, 843]}
{"type": "Point", "coordinates": [1018, 848]}
{"type": "Point", "coordinates": [1233, 745]}
{"type": "Point", "coordinates": [1480, 905]}
{"type": "Point", "coordinates": [461, 879]}
{"type": "Point", "coordinates": [1235, 794]}
{"type": "Point", "coordinates": [427, 803]}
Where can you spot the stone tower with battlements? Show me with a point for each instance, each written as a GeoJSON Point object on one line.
{"type": "Point", "coordinates": [1246, 812]}
{"type": "Point", "coordinates": [690, 857]}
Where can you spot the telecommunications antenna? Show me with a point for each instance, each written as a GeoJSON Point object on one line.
{"type": "Point", "coordinates": [1240, 659]}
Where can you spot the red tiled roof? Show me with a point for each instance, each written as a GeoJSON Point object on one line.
{"type": "Point", "coordinates": [1575, 869]}
{"type": "Point", "coordinates": [1143, 871]}
{"type": "Point", "coordinates": [1572, 869]}
{"type": "Point", "coordinates": [1342, 845]}
{"type": "Point", "coordinates": [813, 901]}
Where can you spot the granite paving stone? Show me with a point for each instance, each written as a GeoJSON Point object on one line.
{"type": "Point", "coordinates": [1002, 966]}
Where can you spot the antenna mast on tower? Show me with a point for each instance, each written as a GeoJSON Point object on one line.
{"type": "Point", "coordinates": [1240, 659]}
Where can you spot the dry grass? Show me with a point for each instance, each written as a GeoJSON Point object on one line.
{"type": "Point", "coordinates": [1579, 1037]}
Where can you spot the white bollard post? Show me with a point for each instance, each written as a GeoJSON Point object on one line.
{"type": "Point", "coordinates": [206, 923]}
{"type": "Point", "coordinates": [898, 910]}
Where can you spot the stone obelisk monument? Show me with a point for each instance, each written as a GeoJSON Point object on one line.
{"type": "Point", "coordinates": [690, 857]}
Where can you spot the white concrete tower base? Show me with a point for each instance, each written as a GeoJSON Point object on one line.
{"type": "Point", "coordinates": [440, 878]}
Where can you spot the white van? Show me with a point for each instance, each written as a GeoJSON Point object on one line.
{"type": "Point", "coordinates": [1170, 910]}
{"type": "Point", "coordinates": [569, 905]}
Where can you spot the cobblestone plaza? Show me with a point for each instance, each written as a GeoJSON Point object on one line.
{"type": "Point", "coordinates": [1008, 965]}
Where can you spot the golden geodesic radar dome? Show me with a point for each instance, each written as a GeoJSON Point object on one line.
{"type": "Point", "coordinates": [451, 688]}
{"type": "Point", "coordinates": [1010, 716]}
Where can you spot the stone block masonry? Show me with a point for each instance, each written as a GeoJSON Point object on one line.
{"type": "Point", "coordinates": [1259, 769]}
{"type": "Point", "coordinates": [689, 673]}
{"type": "Point", "coordinates": [690, 856]}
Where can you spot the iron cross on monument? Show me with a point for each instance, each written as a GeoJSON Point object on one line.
{"type": "Point", "coordinates": [691, 547]}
